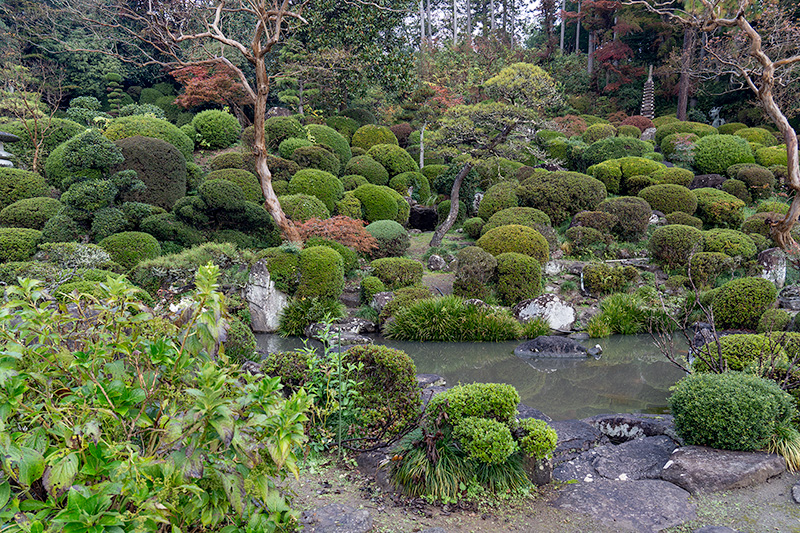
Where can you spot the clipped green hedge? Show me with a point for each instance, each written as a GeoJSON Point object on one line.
{"type": "Point", "coordinates": [218, 129]}
{"type": "Point", "coordinates": [18, 244]}
{"type": "Point", "coordinates": [393, 158]}
{"type": "Point", "coordinates": [377, 203]}
{"type": "Point", "coordinates": [30, 213]}
{"type": "Point", "coordinates": [130, 248]}
{"type": "Point", "coordinates": [124, 127]}
{"type": "Point", "coordinates": [718, 208]}
{"type": "Point", "coordinates": [740, 303]}
{"type": "Point", "coordinates": [515, 238]}
{"type": "Point", "coordinates": [319, 183]}
{"type": "Point", "coordinates": [499, 197]}
{"type": "Point", "coordinates": [698, 128]}
{"type": "Point", "coordinates": [713, 154]}
{"type": "Point", "coordinates": [674, 244]}
{"type": "Point", "coordinates": [519, 277]}
{"type": "Point", "coordinates": [397, 272]}
{"type": "Point", "coordinates": [327, 136]}
{"type": "Point", "coordinates": [364, 165]}
{"type": "Point", "coordinates": [393, 239]}
{"type": "Point", "coordinates": [633, 216]}
{"type": "Point", "coordinates": [730, 242]}
{"type": "Point", "coordinates": [561, 194]}
{"type": "Point", "coordinates": [669, 198]}
{"type": "Point", "coordinates": [321, 273]}
{"type": "Point", "coordinates": [18, 184]}
{"type": "Point", "coordinates": [369, 135]}
{"type": "Point", "coordinates": [301, 207]}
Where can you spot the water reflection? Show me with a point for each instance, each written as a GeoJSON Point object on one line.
{"type": "Point", "coordinates": [630, 376]}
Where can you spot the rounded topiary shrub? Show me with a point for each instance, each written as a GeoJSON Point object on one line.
{"type": "Point", "coordinates": [218, 129]}
{"type": "Point", "coordinates": [523, 216]}
{"type": "Point", "coordinates": [61, 228]}
{"type": "Point", "coordinates": [166, 227]}
{"type": "Point", "coordinates": [316, 157]}
{"type": "Point", "coordinates": [600, 278]}
{"type": "Point", "coordinates": [615, 148]}
{"type": "Point", "coordinates": [757, 135]}
{"type": "Point", "coordinates": [319, 183]}
{"type": "Point", "coordinates": [226, 160]}
{"type": "Point", "coordinates": [364, 165]}
{"type": "Point", "coordinates": [595, 132]}
{"type": "Point", "coordinates": [515, 238]}
{"type": "Point", "coordinates": [773, 320]}
{"type": "Point", "coordinates": [633, 216]}
{"type": "Point", "coordinates": [538, 439]}
{"type": "Point", "coordinates": [679, 217]}
{"type": "Point", "coordinates": [759, 223]}
{"type": "Point", "coordinates": [729, 411]}
{"type": "Point", "coordinates": [609, 172]}
{"type": "Point", "coordinates": [124, 127]}
{"type": "Point", "coordinates": [393, 158]}
{"type": "Point", "coordinates": [321, 273]}
{"type": "Point", "coordinates": [729, 242]}
{"type": "Point", "coordinates": [519, 277]}
{"type": "Point", "coordinates": [344, 125]}
{"type": "Point", "coordinates": [159, 164]}
{"type": "Point", "coordinates": [18, 244]}
{"type": "Point", "coordinates": [713, 154]}
{"type": "Point", "coordinates": [278, 129]}
{"type": "Point", "coordinates": [484, 440]}
{"type": "Point", "coordinates": [288, 146]}
{"type": "Point", "coordinates": [561, 194]}
{"type": "Point", "coordinates": [729, 128]}
{"type": "Point", "coordinates": [473, 226]}
{"type": "Point", "coordinates": [698, 128]}
{"type": "Point", "coordinates": [130, 248]}
{"type": "Point", "coordinates": [704, 267]}
{"type": "Point", "coordinates": [222, 194]}
{"type": "Point", "coordinates": [669, 198]}
{"type": "Point", "coordinates": [738, 189]}
{"type": "Point", "coordinates": [324, 135]}
{"type": "Point", "coordinates": [397, 272]}
{"type": "Point", "coordinates": [377, 203]}
{"type": "Point", "coordinates": [759, 180]}
{"type": "Point", "coordinates": [494, 401]}
{"type": "Point", "coordinates": [301, 207]}
{"type": "Point", "coordinates": [629, 131]}
{"type": "Point", "coordinates": [599, 220]}
{"type": "Point", "coordinates": [740, 303]}
{"type": "Point", "coordinates": [247, 181]}
{"type": "Point", "coordinates": [393, 239]}
{"type": "Point", "coordinates": [674, 244]}
{"type": "Point", "coordinates": [740, 352]}
{"type": "Point", "coordinates": [718, 208]}
{"type": "Point", "coordinates": [497, 198]}
{"type": "Point", "coordinates": [676, 175]}
{"type": "Point", "coordinates": [370, 286]}
{"type": "Point", "coordinates": [369, 135]}
{"type": "Point", "coordinates": [18, 184]}
{"type": "Point", "coordinates": [476, 269]}
{"type": "Point", "coordinates": [30, 213]}
{"type": "Point", "coordinates": [353, 181]}
{"type": "Point", "coordinates": [772, 155]}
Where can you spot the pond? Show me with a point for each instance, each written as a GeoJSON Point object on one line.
{"type": "Point", "coordinates": [630, 376]}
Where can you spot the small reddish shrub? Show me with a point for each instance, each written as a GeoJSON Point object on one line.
{"type": "Point", "coordinates": [344, 230]}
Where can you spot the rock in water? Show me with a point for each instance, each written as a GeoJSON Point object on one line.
{"type": "Point", "coordinates": [266, 303]}
{"type": "Point", "coordinates": [550, 346]}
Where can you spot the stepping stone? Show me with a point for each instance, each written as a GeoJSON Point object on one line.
{"type": "Point", "coordinates": [701, 469]}
{"type": "Point", "coordinates": [636, 459]}
{"type": "Point", "coordinates": [643, 506]}
{"type": "Point", "coordinates": [581, 468]}
{"type": "Point", "coordinates": [574, 438]}
{"type": "Point", "coordinates": [623, 427]}
{"type": "Point", "coordinates": [336, 518]}
{"type": "Point", "coordinates": [715, 529]}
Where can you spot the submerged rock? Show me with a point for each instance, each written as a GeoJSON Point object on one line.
{"type": "Point", "coordinates": [550, 346]}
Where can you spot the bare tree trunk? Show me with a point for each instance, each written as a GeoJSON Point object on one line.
{"type": "Point", "coordinates": [578, 30]}
{"type": "Point", "coordinates": [561, 16]}
{"type": "Point", "coordinates": [455, 24]}
{"type": "Point", "coordinates": [422, 145]}
{"type": "Point", "coordinates": [271, 203]}
{"type": "Point", "coordinates": [492, 25]}
{"type": "Point", "coordinates": [445, 226]}
{"type": "Point", "coordinates": [590, 59]}
{"type": "Point", "coordinates": [469, 23]}
{"type": "Point", "coordinates": [430, 26]}
{"type": "Point", "coordinates": [685, 80]}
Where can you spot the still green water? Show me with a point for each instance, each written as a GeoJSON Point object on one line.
{"type": "Point", "coordinates": [630, 376]}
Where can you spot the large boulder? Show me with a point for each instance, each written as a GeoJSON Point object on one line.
{"type": "Point", "coordinates": [707, 180]}
{"type": "Point", "coordinates": [702, 469]}
{"type": "Point", "coordinates": [550, 346]}
{"type": "Point", "coordinates": [560, 315]}
{"type": "Point", "coordinates": [625, 427]}
{"type": "Point", "coordinates": [773, 266]}
{"type": "Point", "coordinates": [266, 302]}
{"type": "Point", "coordinates": [636, 459]}
{"type": "Point", "coordinates": [574, 438]}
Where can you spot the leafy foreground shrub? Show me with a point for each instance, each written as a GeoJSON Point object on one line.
{"type": "Point", "coordinates": [739, 352]}
{"type": "Point", "coordinates": [450, 319]}
{"type": "Point", "coordinates": [18, 244]}
{"type": "Point", "coordinates": [113, 426]}
{"type": "Point", "coordinates": [730, 411]}
{"type": "Point", "coordinates": [304, 311]}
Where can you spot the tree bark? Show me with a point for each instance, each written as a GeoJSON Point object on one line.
{"type": "Point", "coordinates": [271, 203]}
{"type": "Point", "coordinates": [590, 59]}
{"type": "Point", "coordinates": [561, 16]}
{"type": "Point", "coordinates": [578, 30]}
{"type": "Point", "coordinates": [422, 145]}
{"type": "Point", "coordinates": [685, 80]}
{"type": "Point", "coordinates": [443, 228]}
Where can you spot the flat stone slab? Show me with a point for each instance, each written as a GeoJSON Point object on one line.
{"type": "Point", "coordinates": [702, 469]}
{"type": "Point", "coordinates": [523, 412]}
{"type": "Point", "coordinates": [581, 468]}
{"type": "Point", "coordinates": [336, 518]}
{"type": "Point", "coordinates": [715, 529]}
{"type": "Point", "coordinates": [550, 346]}
{"type": "Point", "coordinates": [636, 459]}
{"type": "Point", "coordinates": [642, 506]}
{"type": "Point", "coordinates": [574, 438]}
{"type": "Point", "coordinates": [623, 427]}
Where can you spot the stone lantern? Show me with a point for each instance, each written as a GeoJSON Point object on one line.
{"type": "Point", "coordinates": [6, 138]}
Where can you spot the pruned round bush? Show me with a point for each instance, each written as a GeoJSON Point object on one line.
{"type": "Point", "coordinates": [674, 244]}
{"type": "Point", "coordinates": [599, 220]}
{"type": "Point", "coordinates": [758, 223]}
{"type": "Point", "coordinates": [87, 197]}
{"type": "Point", "coordinates": [18, 244]}
{"type": "Point", "coordinates": [706, 266]}
{"type": "Point", "coordinates": [344, 125]}
{"type": "Point", "coordinates": [485, 440]}
{"type": "Point", "coordinates": [609, 172]}
{"type": "Point", "coordinates": [740, 353]}
{"type": "Point", "coordinates": [88, 155]}
{"type": "Point", "coordinates": [416, 181]}
{"type": "Point", "coordinates": [519, 277]}
{"type": "Point", "coordinates": [669, 198]}
{"type": "Point", "coordinates": [319, 183]}
{"type": "Point", "coordinates": [61, 228]}
{"type": "Point", "coordinates": [515, 238]}
{"type": "Point", "coordinates": [301, 207]}
{"type": "Point", "coordinates": [561, 194]}
{"type": "Point", "coordinates": [773, 320]}
{"type": "Point", "coordinates": [130, 248]}
{"type": "Point", "coordinates": [718, 208]}
{"type": "Point", "coordinates": [729, 128]}
{"type": "Point", "coordinates": [159, 164]}
{"type": "Point", "coordinates": [124, 127]}
{"type": "Point", "coordinates": [499, 197]}
{"type": "Point", "coordinates": [583, 238]}
{"type": "Point", "coordinates": [369, 135]}
{"type": "Point", "coordinates": [538, 439]}
{"type": "Point", "coordinates": [18, 184]}
{"type": "Point", "coordinates": [757, 135]}
{"type": "Point", "coordinates": [219, 129]}
{"type": "Point", "coordinates": [370, 286]}
{"type": "Point", "coordinates": [321, 273]}
{"type": "Point", "coordinates": [729, 411]}
{"type": "Point", "coordinates": [679, 217]}
{"type": "Point", "coordinates": [277, 129]}
{"type": "Point", "coordinates": [596, 132]}
{"type": "Point", "coordinates": [30, 213]}
{"type": "Point", "coordinates": [523, 216]}
{"type": "Point", "coordinates": [316, 157]}
{"type": "Point", "coordinates": [324, 135]}
{"type": "Point", "coordinates": [108, 221]}
{"type": "Point", "coordinates": [393, 239]}
{"type": "Point", "coordinates": [472, 227]}
{"type": "Point", "coordinates": [738, 189]}
{"type": "Point", "coordinates": [288, 146]}
{"type": "Point", "coordinates": [493, 170]}
{"type": "Point", "coordinates": [633, 215]}
{"type": "Point", "coordinates": [600, 278]}
{"type": "Point", "coordinates": [713, 154]}
{"type": "Point", "coordinates": [476, 269]}
{"type": "Point", "coordinates": [615, 148]}
{"type": "Point", "coordinates": [247, 181]}
{"type": "Point", "coordinates": [772, 206]}
{"type": "Point", "coordinates": [364, 165]}
{"type": "Point", "coordinates": [729, 242]}
{"type": "Point", "coordinates": [772, 155]}
{"type": "Point", "coordinates": [741, 302]}
{"type": "Point", "coordinates": [353, 181]}
{"type": "Point", "coordinates": [349, 257]}
{"type": "Point", "coordinates": [676, 175]}
{"type": "Point", "coordinates": [670, 144]}
{"type": "Point", "coordinates": [222, 194]}
{"type": "Point", "coordinates": [759, 181]}
{"type": "Point", "coordinates": [393, 158]}
{"type": "Point", "coordinates": [629, 131]}
{"type": "Point", "coordinates": [166, 227]}
{"type": "Point", "coordinates": [377, 203]}
{"type": "Point", "coordinates": [698, 128]}
{"type": "Point", "coordinates": [493, 401]}
{"type": "Point", "coordinates": [349, 206]}
{"type": "Point", "coordinates": [397, 272]}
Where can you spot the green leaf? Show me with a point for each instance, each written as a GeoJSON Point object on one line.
{"type": "Point", "coordinates": [5, 493]}
{"type": "Point", "coordinates": [61, 474]}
